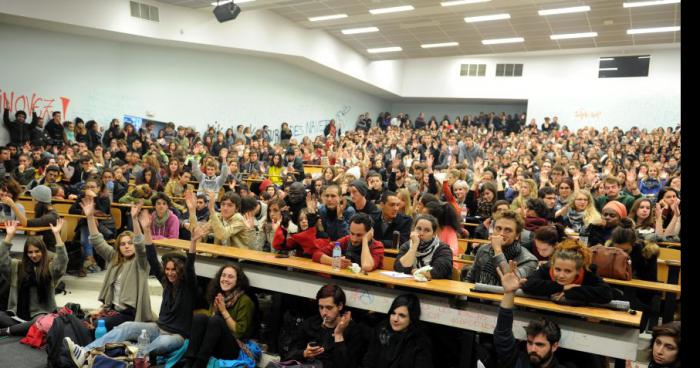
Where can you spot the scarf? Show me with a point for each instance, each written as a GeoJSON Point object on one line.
{"type": "Point", "coordinates": [488, 274]}
{"type": "Point", "coordinates": [577, 281]}
{"type": "Point", "coordinates": [160, 221]}
{"type": "Point", "coordinates": [575, 219]}
{"type": "Point", "coordinates": [426, 250]}
{"type": "Point", "coordinates": [231, 299]}
{"type": "Point", "coordinates": [28, 279]}
{"type": "Point", "coordinates": [534, 223]}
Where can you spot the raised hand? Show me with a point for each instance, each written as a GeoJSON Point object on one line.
{"type": "Point", "coordinates": [190, 200]}
{"type": "Point", "coordinates": [199, 231]}
{"type": "Point", "coordinates": [88, 205]}
{"type": "Point", "coordinates": [136, 208]}
{"type": "Point", "coordinates": [56, 229]}
{"type": "Point", "coordinates": [212, 199]}
{"type": "Point", "coordinates": [7, 200]}
{"type": "Point", "coordinates": [11, 228]}
{"type": "Point", "coordinates": [343, 323]}
{"type": "Point", "coordinates": [145, 220]}
{"type": "Point", "coordinates": [510, 281]}
{"type": "Point", "coordinates": [311, 204]}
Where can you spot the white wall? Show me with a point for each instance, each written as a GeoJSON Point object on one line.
{"type": "Point", "coordinates": [105, 79]}
{"type": "Point", "coordinates": [564, 85]}
{"type": "Point", "coordinates": [454, 109]}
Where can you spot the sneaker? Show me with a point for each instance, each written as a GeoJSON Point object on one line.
{"type": "Point", "coordinates": [76, 353]}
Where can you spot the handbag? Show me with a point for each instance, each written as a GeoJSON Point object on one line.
{"type": "Point", "coordinates": [612, 262]}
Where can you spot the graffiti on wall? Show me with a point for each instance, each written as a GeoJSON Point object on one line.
{"type": "Point", "coordinates": [42, 105]}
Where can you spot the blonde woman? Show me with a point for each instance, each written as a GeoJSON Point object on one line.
{"type": "Point", "coordinates": [527, 189]}
{"type": "Point", "coordinates": [579, 212]}
{"type": "Point", "coordinates": [405, 206]}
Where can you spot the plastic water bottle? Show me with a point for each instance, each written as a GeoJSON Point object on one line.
{"type": "Point", "coordinates": [464, 211]}
{"type": "Point", "coordinates": [337, 253]}
{"type": "Point", "coordinates": [143, 342]}
{"type": "Point", "coordinates": [101, 330]}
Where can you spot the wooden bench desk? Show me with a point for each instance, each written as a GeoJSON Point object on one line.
{"type": "Point", "coordinates": [618, 337]}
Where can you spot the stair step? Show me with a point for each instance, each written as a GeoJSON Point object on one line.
{"type": "Point", "coordinates": [94, 281]}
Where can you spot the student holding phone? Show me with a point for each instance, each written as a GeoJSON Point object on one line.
{"type": "Point", "coordinates": [331, 337]}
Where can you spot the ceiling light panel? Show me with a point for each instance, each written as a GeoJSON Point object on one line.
{"type": "Point", "coordinates": [575, 9]}
{"type": "Point", "coordinates": [327, 17]}
{"type": "Point", "coordinates": [394, 9]}
{"type": "Point", "coordinates": [485, 18]}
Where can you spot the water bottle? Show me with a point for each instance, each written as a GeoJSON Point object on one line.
{"type": "Point", "coordinates": [396, 239]}
{"type": "Point", "coordinates": [464, 211]}
{"type": "Point", "coordinates": [143, 342]}
{"type": "Point", "coordinates": [101, 330]}
{"type": "Point", "coordinates": [337, 253]}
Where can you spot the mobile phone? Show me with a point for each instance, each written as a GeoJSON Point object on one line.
{"type": "Point", "coordinates": [313, 344]}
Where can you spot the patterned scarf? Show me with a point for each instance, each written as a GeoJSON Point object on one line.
{"type": "Point", "coordinates": [488, 274]}
{"type": "Point", "coordinates": [575, 219]}
{"type": "Point", "coordinates": [160, 221]}
{"type": "Point", "coordinates": [483, 207]}
{"type": "Point", "coordinates": [425, 252]}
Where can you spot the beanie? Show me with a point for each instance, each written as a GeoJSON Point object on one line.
{"type": "Point", "coordinates": [360, 186]}
{"type": "Point", "coordinates": [41, 193]}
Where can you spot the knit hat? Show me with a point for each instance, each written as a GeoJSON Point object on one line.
{"type": "Point", "coordinates": [41, 193]}
{"type": "Point", "coordinates": [354, 171]}
{"type": "Point", "coordinates": [360, 186]}
{"type": "Point", "coordinates": [264, 184]}
{"type": "Point", "coordinates": [617, 207]}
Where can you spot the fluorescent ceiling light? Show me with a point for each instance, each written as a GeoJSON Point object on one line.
{"type": "Point", "coordinates": [649, 3]}
{"type": "Point", "coordinates": [462, 2]}
{"type": "Point", "coordinates": [483, 18]}
{"type": "Point", "coordinates": [503, 40]}
{"type": "Point", "coordinates": [384, 49]}
{"type": "Point", "coordinates": [573, 35]}
{"type": "Point", "coordinates": [360, 30]}
{"type": "Point", "coordinates": [328, 17]}
{"type": "Point", "coordinates": [392, 10]}
{"type": "Point", "coordinates": [575, 9]}
{"type": "Point", "coordinates": [230, 1]}
{"type": "Point", "coordinates": [434, 45]}
{"type": "Point", "coordinates": [607, 59]}
{"type": "Point", "coordinates": [653, 30]}
{"type": "Point", "coordinates": [607, 69]}
{"type": "Point", "coordinates": [644, 57]}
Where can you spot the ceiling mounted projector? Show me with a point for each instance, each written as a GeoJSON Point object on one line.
{"type": "Point", "coordinates": [226, 12]}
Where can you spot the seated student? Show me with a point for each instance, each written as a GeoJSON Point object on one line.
{"type": "Point", "coordinates": [305, 242]}
{"type": "Point", "coordinates": [339, 340]}
{"type": "Point", "coordinates": [201, 214]}
{"type": "Point", "coordinates": [668, 213]}
{"type": "Point", "coordinates": [210, 182]}
{"type": "Point", "coordinates": [229, 319]}
{"type": "Point", "coordinates": [178, 278]}
{"type": "Point", "coordinates": [95, 190]}
{"type": "Point", "coordinates": [400, 341]}
{"type": "Point", "coordinates": [335, 214]}
{"type": "Point", "coordinates": [32, 279]}
{"type": "Point", "coordinates": [424, 248]}
{"type": "Point", "coordinates": [665, 349]}
{"type": "Point", "coordinates": [642, 213]}
{"type": "Point", "coordinates": [545, 239]}
{"type": "Point", "coordinates": [359, 192]}
{"type": "Point", "coordinates": [599, 233]}
{"type": "Point", "coordinates": [485, 229]}
{"type": "Point", "coordinates": [536, 214]}
{"type": "Point", "coordinates": [376, 186]}
{"type": "Point", "coordinates": [390, 220]}
{"type": "Point", "coordinates": [568, 277]}
{"type": "Point", "coordinates": [579, 212]}
{"type": "Point", "coordinates": [358, 247]}
{"type": "Point", "coordinates": [505, 246]}
{"type": "Point", "coordinates": [643, 256]}
{"type": "Point", "coordinates": [543, 335]}
{"type": "Point", "coordinates": [229, 227]}
{"type": "Point", "coordinates": [164, 223]}
{"type": "Point", "coordinates": [177, 186]}
{"type": "Point", "coordinates": [138, 193]}
{"type": "Point", "coordinates": [480, 199]}
{"type": "Point", "coordinates": [549, 196]}
{"type": "Point", "coordinates": [44, 215]}
{"type": "Point", "coordinates": [10, 209]}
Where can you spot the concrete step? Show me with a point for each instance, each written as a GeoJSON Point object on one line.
{"type": "Point", "coordinates": [85, 290]}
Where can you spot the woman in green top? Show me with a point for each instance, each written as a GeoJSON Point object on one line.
{"type": "Point", "coordinates": [230, 318]}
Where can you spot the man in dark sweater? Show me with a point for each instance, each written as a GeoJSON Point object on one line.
{"type": "Point", "coordinates": [542, 335]}
{"type": "Point", "coordinates": [390, 220]}
{"type": "Point", "coordinates": [179, 282]}
{"type": "Point", "coordinates": [331, 337]}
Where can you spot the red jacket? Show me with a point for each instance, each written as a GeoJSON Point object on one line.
{"type": "Point", "coordinates": [305, 241]}
{"type": "Point", "coordinates": [376, 249]}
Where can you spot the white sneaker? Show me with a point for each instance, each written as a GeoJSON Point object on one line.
{"type": "Point", "coordinates": [75, 351]}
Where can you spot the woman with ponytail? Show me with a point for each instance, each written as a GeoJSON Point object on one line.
{"type": "Point", "coordinates": [568, 277]}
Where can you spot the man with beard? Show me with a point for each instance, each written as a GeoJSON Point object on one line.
{"type": "Point", "coordinates": [542, 335]}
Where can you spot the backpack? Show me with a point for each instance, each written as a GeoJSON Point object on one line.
{"type": "Point", "coordinates": [112, 355]}
{"type": "Point", "coordinates": [65, 326]}
{"type": "Point", "coordinates": [292, 327]}
{"type": "Point", "coordinates": [612, 262]}
{"type": "Point", "coordinates": [36, 336]}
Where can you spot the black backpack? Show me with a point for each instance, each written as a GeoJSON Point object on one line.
{"type": "Point", "coordinates": [292, 328]}
{"type": "Point", "coordinates": [65, 326]}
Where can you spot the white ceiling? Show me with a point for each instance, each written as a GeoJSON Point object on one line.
{"type": "Point", "coordinates": [432, 23]}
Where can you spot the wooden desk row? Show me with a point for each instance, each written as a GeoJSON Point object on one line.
{"type": "Point", "coordinates": [618, 337]}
